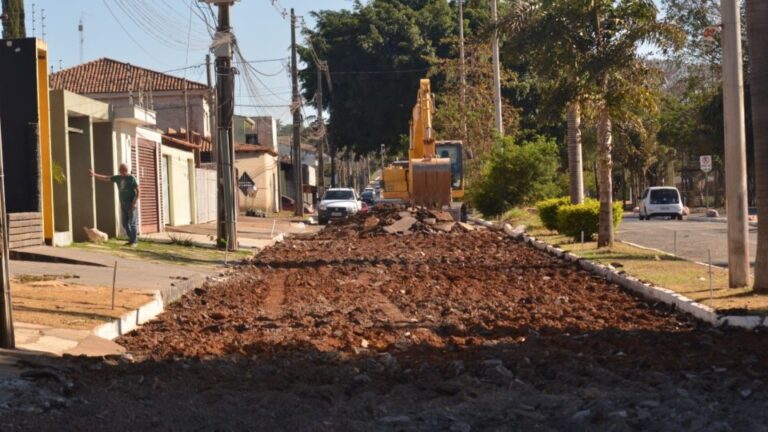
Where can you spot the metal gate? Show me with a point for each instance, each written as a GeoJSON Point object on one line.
{"type": "Point", "coordinates": [149, 211]}
{"type": "Point", "coordinates": [205, 186]}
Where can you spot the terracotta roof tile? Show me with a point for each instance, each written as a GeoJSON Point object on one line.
{"type": "Point", "coordinates": [111, 76]}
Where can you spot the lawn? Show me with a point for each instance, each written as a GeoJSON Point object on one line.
{"type": "Point", "coordinates": [685, 277]}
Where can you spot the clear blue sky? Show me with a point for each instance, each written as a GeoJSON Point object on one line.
{"type": "Point", "coordinates": [260, 29]}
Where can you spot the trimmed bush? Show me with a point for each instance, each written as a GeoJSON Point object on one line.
{"type": "Point", "coordinates": [517, 175]}
{"type": "Point", "coordinates": [572, 219]}
{"type": "Point", "coordinates": [548, 211]}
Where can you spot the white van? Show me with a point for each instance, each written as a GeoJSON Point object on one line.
{"type": "Point", "coordinates": [661, 201]}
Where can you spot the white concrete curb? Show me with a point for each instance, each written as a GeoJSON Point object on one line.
{"type": "Point", "coordinates": [131, 320]}
{"type": "Point", "coordinates": [648, 291]}
{"type": "Point", "coordinates": [716, 219]}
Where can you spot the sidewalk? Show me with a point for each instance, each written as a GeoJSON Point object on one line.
{"type": "Point", "coordinates": [252, 232]}
{"type": "Point", "coordinates": [61, 308]}
{"type": "Point", "coordinates": [62, 296]}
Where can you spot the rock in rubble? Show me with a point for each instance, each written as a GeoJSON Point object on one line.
{"type": "Point", "coordinates": [371, 222]}
{"type": "Point", "coordinates": [401, 226]}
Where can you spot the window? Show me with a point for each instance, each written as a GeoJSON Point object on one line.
{"type": "Point", "coordinates": [339, 195]}
{"type": "Point", "coordinates": [246, 184]}
{"type": "Point", "coordinates": [665, 196]}
{"type": "Point", "coordinates": [251, 138]}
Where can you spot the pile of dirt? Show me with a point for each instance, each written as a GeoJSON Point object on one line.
{"type": "Point", "coordinates": [392, 219]}
{"type": "Point", "coordinates": [417, 333]}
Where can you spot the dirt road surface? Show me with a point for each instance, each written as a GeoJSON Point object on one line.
{"type": "Point", "coordinates": [364, 331]}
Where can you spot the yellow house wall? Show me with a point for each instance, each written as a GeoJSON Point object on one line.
{"type": "Point", "coordinates": [45, 140]}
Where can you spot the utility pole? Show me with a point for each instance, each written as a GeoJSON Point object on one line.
{"type": "Point", "coordinates": [496, 70]}
{"type": "Point", "coordinates": [383, 155]}
{"type": "Point", "coordinates": [7, 339]}
{"type": "Point", "coordinates": [321, 123]}
{"type": "Point", "coordinates": [462, 71]}
{"type": "Point", "coordinates": [296, 106]}
{"type": "Point", "coordinates": [212, 115]}
{"type": "Point", "coordinates": [225, 97]}
{"type": "Point", "coordinates": [735, 147]}
{"type": "Point", "coordinates": [220, 216]}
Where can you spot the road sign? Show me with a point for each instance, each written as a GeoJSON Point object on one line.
{"type": "Point", "coordinates": [705, 162]}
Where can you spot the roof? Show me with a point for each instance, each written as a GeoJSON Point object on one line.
{"type": "Point", "coordinates": [254, 148]}
{"type": "Point", "coordinates": [111, 76]}
{"type": "Point", "coordinates": [178, 138]}
{"type": "Point", "coordinates": [179, 143]}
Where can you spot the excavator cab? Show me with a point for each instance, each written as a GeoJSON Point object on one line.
{"type": "Point", "coordinates": [454, 151]}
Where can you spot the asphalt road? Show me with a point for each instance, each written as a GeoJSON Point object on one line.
{"type": "Point", "coordinates": [694, 239]}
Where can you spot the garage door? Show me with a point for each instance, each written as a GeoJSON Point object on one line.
{"type": "Point", "coordinates": [148, 207]}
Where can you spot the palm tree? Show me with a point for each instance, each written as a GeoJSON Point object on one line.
{"type": "Point", "coordinates": [619, 28]}
{"type": "Point", "coordinates": [13, 19]}
{"type": "Point", "coordinates": [757, 14]}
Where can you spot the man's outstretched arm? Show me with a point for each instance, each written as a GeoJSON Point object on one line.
{"type": "Point", "coordinates": [97, 176]}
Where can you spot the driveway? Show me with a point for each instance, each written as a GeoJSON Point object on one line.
{"type": "Point", "coordinates": [694, 239]}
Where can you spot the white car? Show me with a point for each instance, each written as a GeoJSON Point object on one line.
{"type": "Point", "coordinates": [661, 201]}
{"type": "Point", "coordinates": [338, 203]}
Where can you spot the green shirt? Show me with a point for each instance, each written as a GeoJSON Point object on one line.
{"type": "Point", "coordinates": [127, 187]}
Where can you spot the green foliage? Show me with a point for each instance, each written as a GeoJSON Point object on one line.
{"type": "Point", "coordinates": [516, 175]}
{"type": "Point", "coordinates": [376, 53]}
{"type": "Point", "coordinates": [548, 211]}
{"type": "Point", "coordinates": [573, 219]}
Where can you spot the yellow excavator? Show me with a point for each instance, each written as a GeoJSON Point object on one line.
{"type": "Point", "coordinates": [433, 175]}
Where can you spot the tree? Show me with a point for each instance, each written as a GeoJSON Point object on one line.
{"type": "Point", "coordinates": [376, 52]}
{"type": "Point", "coordinates": [558, 61]}
{"type": "Point", "coordinates": [619, 29]}
{"type": "Point", "coordinates": [475, 109]}
{"type": "Point", "coordinates": [13, 19]}
{"type": "Point", "coordinates": [757, 14]}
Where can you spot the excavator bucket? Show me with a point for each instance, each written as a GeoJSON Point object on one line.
{"type": "Point", "coordinates": [431, 180]}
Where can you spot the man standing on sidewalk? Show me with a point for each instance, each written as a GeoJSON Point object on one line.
{"type": "Point", "coordinates": [128, 190]}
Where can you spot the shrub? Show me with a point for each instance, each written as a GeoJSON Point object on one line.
{"type": "Point", "coordinates": [516, 175]}
{"type": "Point", "coordinates": [548, 211]}
{"type": "Point", "coordinates": [572, 219]}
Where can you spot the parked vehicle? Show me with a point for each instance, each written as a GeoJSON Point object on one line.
{"type": "Point", "coordinates": [368, 196]}
{"type": "Point", "coordinates": [338, 203]}
{"type": "Point", "coordinates": [661, 201]}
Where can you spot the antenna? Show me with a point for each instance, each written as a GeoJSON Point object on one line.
{"type": "Point", "coordinates": [42, 21]}
{"type": "Point", "coordinates": [34, 21]}
{"type": "Point", "coordinates": [81, 29]}
{"type": "Point", "coordinates": [130, 83]}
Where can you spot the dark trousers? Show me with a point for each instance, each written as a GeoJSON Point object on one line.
{"type": "Point", "coordinates": [128, 219]}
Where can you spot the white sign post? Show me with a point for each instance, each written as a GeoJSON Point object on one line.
{"type": "Point", "coordinates": [705, 163]}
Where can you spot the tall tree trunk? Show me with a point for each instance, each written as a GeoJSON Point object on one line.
{"type": "Point", "coordinates": [13, 25]}
{"type": "Point", "coordinates": [575, 167]}
{"type": "Point", "coordinates": [605, 166]}
{"type": "Point", "coordinates": [757, 15]}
